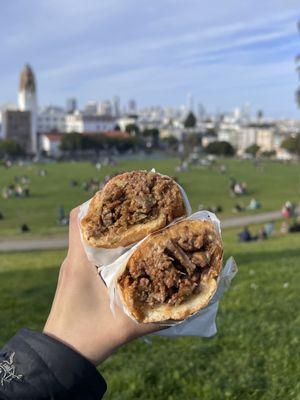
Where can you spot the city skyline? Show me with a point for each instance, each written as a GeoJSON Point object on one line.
{"type": "Point", "coordinates": [224, 58]}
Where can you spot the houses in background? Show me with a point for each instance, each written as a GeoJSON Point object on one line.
{"type": "Point", "coordinates": [41, 129]}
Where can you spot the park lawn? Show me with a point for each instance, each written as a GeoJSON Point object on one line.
{"type": "Point", "coordinates": [271, 182]}
{"type": "Point", "coordinates": [255, 354]}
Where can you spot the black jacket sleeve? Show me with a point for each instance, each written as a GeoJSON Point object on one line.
{"type": "Point", "coordinates": [37, 367]}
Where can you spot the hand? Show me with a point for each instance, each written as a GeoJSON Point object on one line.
{"type": "Point", "coordinates": [80, 315]}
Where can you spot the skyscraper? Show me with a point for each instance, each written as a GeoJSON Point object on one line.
{"type": "Point", "coordinates": [27, 100]}
{"type": "Point", "coordinates": [71, 105]}
{"type": "Point", "coordinates": [116, 106]}
{"type": "Point", "coordinates": [190, 102]}
{"type": "Point", "coordinates": [132, 106]}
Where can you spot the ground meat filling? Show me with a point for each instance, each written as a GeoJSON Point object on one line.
{"type": "Point", "coordinates": [136, 199]}
{"type": "Point", "coordinates": [173, 271]}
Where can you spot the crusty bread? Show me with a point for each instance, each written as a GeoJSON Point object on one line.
{"type": "Point", "coordinates": [142, 311]}
{"type": "Point", "coordinates": [170, 207]}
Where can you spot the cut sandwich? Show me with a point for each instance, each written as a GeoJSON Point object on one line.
{"type": "Point", "coordinates": [173, 273]}
{"type": "Point", "coordinates": [129, 207]}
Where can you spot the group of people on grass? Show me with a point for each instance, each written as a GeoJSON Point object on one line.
{"type": "Point", "coordinates": [291, 224]}
{"type": "Point", "coordinates": [264, 233]}
{"type": "Point", "coordinates": [237, 188]}
{"type": "Point", "coordinates": [20, 188]}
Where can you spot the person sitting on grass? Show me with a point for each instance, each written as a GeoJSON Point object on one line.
{"type": "Point", "coordinates": [269, 228]}
{"type": "Point", "coordinates": [288, 210]}
{"type": "Point", "coordinates": [239, 207]}
{"type": "Point", "coordinates": [295, 227]}
{"type": "Point", "coordinates": [246, 236]}
{"type": "Point", "coordinates": [24, 228]}
{"type": "Point", "coordinates": [254, 204]}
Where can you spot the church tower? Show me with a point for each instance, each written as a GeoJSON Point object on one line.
{"type": "Point", "coordinates": [27, 100]}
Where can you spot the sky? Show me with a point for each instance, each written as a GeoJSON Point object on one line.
{"type": "Point", "coordinates": [225, 53]}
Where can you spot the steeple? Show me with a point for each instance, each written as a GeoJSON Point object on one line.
{"type": "Point", "coordinates": [27, 99]}
{"type": "Point", "coordinates": [27, 80]}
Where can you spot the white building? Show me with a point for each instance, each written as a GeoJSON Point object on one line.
{"type": "Point", "coordinates": [105, 108]}
{"type": "Point", "coordinates": [83, 123]}
{"type": "Point", "coordinates": [91, 108]}
{"type": "Point", "coordinates": [27, 100]}
{"type": "Point", "coordinates": [124, 121]}
{"type": "Point", "coordinates": [50, 143]}
{"type": "Point", "coordinates": [230, 132]}
{"type": "Point", "coordinates": [51, 118]}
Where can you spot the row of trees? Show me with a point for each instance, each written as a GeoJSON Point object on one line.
{"type": "Point", "coordinates": [75, 142]}
{"type": "Point", "coordinates": [10, 148]}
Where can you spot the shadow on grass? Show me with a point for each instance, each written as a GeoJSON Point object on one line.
{"type": "Point", "coordinates": [266, 256]}
{"type": "Point", "coordinates": [25, 299]}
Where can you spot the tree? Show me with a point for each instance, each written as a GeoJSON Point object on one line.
{"type": "Point", "coordinates": [71, 142]}
{"type": "Point", "coordinates": [221, 148]}
{"type": "Point", "coordinates": [292, 145]}
{"type": "Point", "coordinates": [132, 129]}
{"type": "Point", "coordinates": [171, 143]}
{"type": "Point", "coordinates": [151, 136]}
{"type": "Point", "coordinates": [259, 115]}
{"type": "Point", "coordinates": [253, 149]}
{"type": "Point", "coordinates": [11, 148]}
{"type": "Point", "coordinates": [190, 121]}
{"type": "Point", "coordinates": [268, 153]}
{"type": "Point", "coordinates": [298, 69]}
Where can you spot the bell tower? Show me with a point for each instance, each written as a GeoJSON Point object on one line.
{"type": "Point", "coordinates": [27, 100]}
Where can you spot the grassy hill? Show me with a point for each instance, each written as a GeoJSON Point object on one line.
{"type": "Point", "coordinates": [270, 182]}
{"type": "Point", "coordinates": [255, 354]}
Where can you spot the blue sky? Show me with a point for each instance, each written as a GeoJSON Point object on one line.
{"type": "Point", "coordinates": [225, 53]}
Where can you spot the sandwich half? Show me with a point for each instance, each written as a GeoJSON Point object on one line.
{"type": "Point", "coordinates": [129, 207]}
{"type": "Point", "coordinates": [173, 273]}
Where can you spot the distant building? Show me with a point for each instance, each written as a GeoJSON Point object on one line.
{"type": "Point", "coordinates": [27, 99]}
{"type": "Point", "coordinates": [91, 108]}
{"type": "Point", "coordinates": [230, 132]}
{"type": "Point", "coordinates": [189, 102]}
{"type": "Point", "coordinates": [208, 138]}
{"type": "Point", "coordinates": [71, 105]}
{"type": "Point", "coordinates": [51, 118]}
{"type": "Point", "coordinates": [132, 108]}
{"type": "Point", "coordinates": [105, 108]}
{"type": "Point", "coordinates": [116, 105]}
{"type": "Point", "coordinates": [123, 122]}
{"type": "Point", "coordinates": [16, 125]}
{"type": "Point", "coordinates": [265, 135]}
{"type": "Point", "coordinates": [80, 123]}
{"type": "Point", "coordinates": [50, 143]}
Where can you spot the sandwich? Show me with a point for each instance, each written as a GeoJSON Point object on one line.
{"type": "Point", "coordinates": [173, 273]}
{"type": "Point", "coordinates": [129, 207]}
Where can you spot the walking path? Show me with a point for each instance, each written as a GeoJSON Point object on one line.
{"type": "Point", "coordinates": [61, 242]}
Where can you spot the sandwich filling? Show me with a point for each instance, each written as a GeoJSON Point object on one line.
{"type": "Point", "coordinates": [136, 198]}
{"type": "Point", "coordinates": [173, 269]}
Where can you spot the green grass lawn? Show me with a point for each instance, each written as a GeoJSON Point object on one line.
{"type": "Point", "coordinates": [272, 183]}
{"type": "Point", "coordinates": [255, 354]}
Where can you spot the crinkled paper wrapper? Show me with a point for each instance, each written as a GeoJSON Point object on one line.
{"type": "Point", "coordinates": [100, 256]}
{"type": "Point", "coordinates": [203, 322]}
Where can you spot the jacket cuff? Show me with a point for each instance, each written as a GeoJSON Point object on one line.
{"type": "Point", "coordinates": [51, 369]}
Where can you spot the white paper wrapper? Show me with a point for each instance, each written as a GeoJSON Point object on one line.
{"type": "Point", "coordinates": [100, 256]}
{"type": "Point", "coordinates": [201, 323]}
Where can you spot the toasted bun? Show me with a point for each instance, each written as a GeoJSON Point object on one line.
{"type": "Point", "coordinates": [207, 285]}
{"type": "Point", "coordinates": [155, 199]}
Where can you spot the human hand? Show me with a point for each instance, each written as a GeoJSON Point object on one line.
{"type": "Point", "coordinates": [80, 315]}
